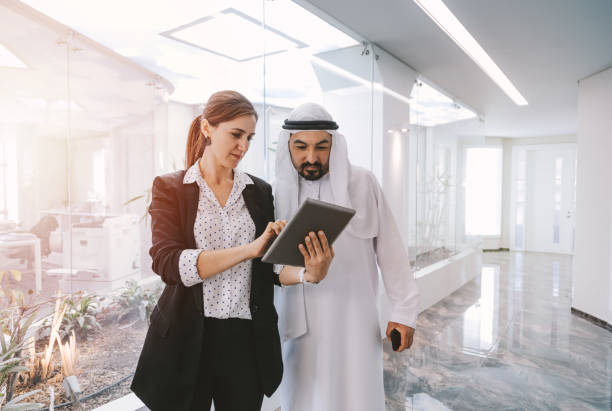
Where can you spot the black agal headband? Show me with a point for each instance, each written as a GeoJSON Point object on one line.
{"type": "Point", "coordinates": [310, 125]}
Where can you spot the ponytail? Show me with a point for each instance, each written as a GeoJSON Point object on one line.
{"type": "Point", "coordinates": [195, 143]}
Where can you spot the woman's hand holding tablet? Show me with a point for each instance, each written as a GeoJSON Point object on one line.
{"type": "Point", "coordinates": [261, 243]}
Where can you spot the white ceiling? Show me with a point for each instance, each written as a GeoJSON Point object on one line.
{"type": "Point", "coordinates": [543, 46]}
{"type": "Point", "coordinates": [40, 93]}
{"type": "Point", "coordinates": [138, 30]}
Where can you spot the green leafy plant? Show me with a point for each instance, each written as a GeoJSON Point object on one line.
{"type": "Point", "coordinates": [80, 316]}
{"type": "Point", "coordinates": [14, 326]}
{"type": "Point", "coordinates": [15, 320]}
{"type": "Point", "coordinates": [10, 365]}
{"type": "Point", "coordinates": [9, 362]}
{"type": "Point", "coordinates": [135, 303]}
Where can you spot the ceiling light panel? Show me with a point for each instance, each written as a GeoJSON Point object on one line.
{"type": "Point", "coordinates": [233, 34]}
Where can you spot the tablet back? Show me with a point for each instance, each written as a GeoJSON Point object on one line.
{"type": "Point", "coordinates": [313, 215]}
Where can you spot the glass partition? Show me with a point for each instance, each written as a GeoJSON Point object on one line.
{"type": "Point", "coordinates": [34, 124]}
{"type": "Point", "coordinates": [82, 132]}
{"type": "Point", "coordinates": [440, 131]}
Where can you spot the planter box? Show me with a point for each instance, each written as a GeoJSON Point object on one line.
{"type": "Point", "coordinates": [439, 280]}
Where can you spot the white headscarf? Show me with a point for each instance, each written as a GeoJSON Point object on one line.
{"type": "Point", "coordinates": [346, 190]}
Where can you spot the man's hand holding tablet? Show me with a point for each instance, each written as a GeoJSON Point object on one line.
{"type": "Point", "coordinates": [318, 255]}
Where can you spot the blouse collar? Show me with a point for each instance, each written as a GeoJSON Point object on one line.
{"type": "Point", "coordinates": [193, 175]}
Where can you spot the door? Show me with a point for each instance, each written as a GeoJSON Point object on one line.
{"type": "Point", "coordinates": [549, 205]}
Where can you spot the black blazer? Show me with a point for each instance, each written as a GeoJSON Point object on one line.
{"type": "Point", "coordinates": [168, 367]}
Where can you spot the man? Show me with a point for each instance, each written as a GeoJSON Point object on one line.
{"type": "Point", "coordinates": [332, 344]}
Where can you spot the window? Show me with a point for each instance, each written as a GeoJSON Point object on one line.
{"type": "Point", "coordinates": [483, 179]}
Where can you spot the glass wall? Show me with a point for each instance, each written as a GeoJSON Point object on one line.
{"type": "Point", "coordinates": [441, 130]}
{"type": "Point", "coordinates": [91, 112]}
{"type": "Point", "coordinates": [82, 131]}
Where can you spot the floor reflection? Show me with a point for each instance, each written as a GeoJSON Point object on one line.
{"type": "Point", "coordinates": [506, 340]}
{"type": "Point", "coordinates": [480, 323]}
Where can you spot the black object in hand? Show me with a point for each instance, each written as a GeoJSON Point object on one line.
{"type": "Point", "coordinates": [396, 339]}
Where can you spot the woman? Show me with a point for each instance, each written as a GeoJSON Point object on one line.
{"type": "Point", "coordinates": [213, 334]}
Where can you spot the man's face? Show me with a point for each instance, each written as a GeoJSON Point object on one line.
{"type": "Point", "coordinates": [310, 153]}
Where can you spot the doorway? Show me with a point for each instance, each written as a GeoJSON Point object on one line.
{"type": "Point", "coordinates": [544, 187]}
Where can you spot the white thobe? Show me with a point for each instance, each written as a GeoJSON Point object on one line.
{"type": "Point", "coordinates": [332, 349]}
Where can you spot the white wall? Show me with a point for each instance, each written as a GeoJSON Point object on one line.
{"type": "Point", "coordinates": [592, 274]}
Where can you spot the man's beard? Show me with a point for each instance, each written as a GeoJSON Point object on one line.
{"type": "Point", "coordinates": [313, 174]}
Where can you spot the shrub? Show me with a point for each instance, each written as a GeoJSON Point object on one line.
{"type": "Point", "coordinates": [80, 316]}
{"type": "Point", "coordinates": [14, 325]}
{"type": "Point", "coordinates": [136, 304]}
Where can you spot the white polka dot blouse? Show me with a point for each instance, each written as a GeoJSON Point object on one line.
{"type": "Point", "coordinates": [226, 295]}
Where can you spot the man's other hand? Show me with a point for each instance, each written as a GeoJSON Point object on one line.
{"type": "Point", "coordinates": [406, 332]}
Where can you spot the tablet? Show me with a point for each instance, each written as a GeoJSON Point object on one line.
{"type": "Point", "coordinates": [313, 215]}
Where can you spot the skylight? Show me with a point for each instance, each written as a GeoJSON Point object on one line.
{"type": "Point", "coordinates": [233, 34]}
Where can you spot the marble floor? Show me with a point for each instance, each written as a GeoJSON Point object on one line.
{"type": "Point", "coordinates": [505, 341]}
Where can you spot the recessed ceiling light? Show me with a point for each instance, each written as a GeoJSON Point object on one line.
{"type": "Point", "coordinates": [9, 59]}
{"type": "Point", "coordinates": [446, 20]}
{"type": "Point", "coordinates": [233, 34]}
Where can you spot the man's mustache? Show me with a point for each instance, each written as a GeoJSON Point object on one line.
{"type": "Point", "coordinates": [315, 164]}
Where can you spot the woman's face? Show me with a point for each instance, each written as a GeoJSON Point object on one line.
{"type": "Point", "coordinates": [229, 141]}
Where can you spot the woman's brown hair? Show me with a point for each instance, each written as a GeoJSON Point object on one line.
{"type": "Point", "coordinates": [222, 106]}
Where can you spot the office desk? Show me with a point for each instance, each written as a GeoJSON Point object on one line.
{"type": "Point", "coordinates": [27, 242]}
